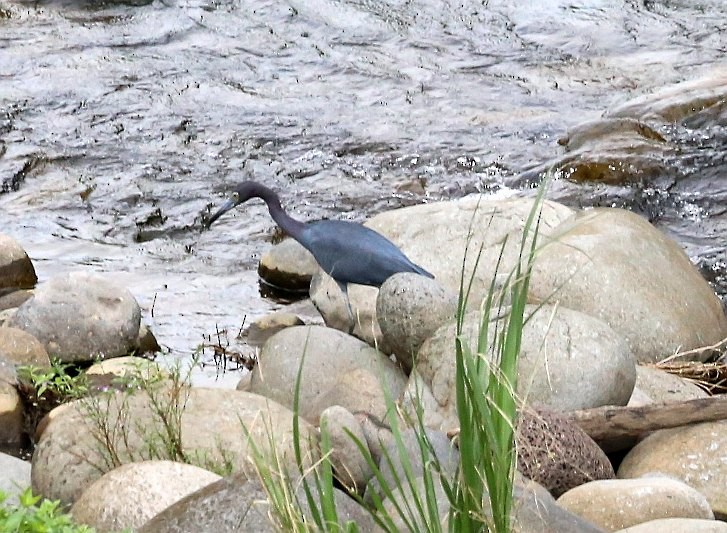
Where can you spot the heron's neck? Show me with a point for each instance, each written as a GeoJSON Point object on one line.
{"type": "Point", "coordinates": [287, 223]}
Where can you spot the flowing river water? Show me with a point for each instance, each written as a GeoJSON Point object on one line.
{"type": "Point", "coordinates": [122, 122]}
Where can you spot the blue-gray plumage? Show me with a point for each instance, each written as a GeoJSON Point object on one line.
{"type": "Point", "coordinates": [346, 251]}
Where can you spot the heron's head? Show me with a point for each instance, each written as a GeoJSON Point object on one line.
{"type": "Point", "coordinates": [243, 192]}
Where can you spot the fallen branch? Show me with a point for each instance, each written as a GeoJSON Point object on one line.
{"type": "Point", "coordinates": [612, 427]}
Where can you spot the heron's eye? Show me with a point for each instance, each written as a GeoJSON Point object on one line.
{"type": "Point", "coordinates": [236, 196]}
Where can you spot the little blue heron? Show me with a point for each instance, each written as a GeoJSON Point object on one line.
{"type": "Point", "coordinates": [346, 251]}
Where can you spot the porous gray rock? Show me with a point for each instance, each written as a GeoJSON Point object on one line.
{"type": "Point", "coordinates": [568, 360]}
{"type": "Point", "coordinates": [16, 269]}
{"type": "Point", "coordinates": [555, 452]}
{"type": "Point", "coordinates": [349, 463]}
{"type": "Point", "coordinates": [80, 317]}
{"type": "Point", "coordinates": [410, 308]}
{"type": "Point", "coordinates": [132, 494]}
{"type": "Point", "coordinates": [436, 236]}
{"type": "Point", "coordinates": [70, 455]}
{"type": "Point", "coordinates": [693, 454]}
{"type": "Point", "coordinates": [288, 265]}
{"type": "Point", "coordinates": [618, 503]}
{"type": "Point", "coordinates": [338, 370]}
{"type": "Point", "coordinates": [613, 265]}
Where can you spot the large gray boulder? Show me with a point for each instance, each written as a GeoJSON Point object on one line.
{"type": "Point", "coordinates": [16, 269]}
{"type": "Point", "coordinates": [436, 237]}
{"type": "Point", "coordinates": [568, 360]}
{"type": "Point", "coordinates": [132, 494]}
{"type": "Point", "coordinates": [80, 317]}
{"type": "Point", "coordinates": [612, 264]}
{"type": "Point", "coordinates": [86, 438]}
{"type": "Point", "coordinates": [338, 370]}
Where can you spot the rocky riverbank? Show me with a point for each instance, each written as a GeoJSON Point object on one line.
{"type": "Point", "coordinates": [609, 293]}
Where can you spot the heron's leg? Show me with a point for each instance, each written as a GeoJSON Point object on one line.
{"type": "Point", "coordinates": [351, 321]}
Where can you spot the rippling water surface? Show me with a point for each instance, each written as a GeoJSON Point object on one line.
{"type": "Point", "coordinates": [121, 122]}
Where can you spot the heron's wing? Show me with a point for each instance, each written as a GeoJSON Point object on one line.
{"type": "Point", "coordinates": [353, 253]}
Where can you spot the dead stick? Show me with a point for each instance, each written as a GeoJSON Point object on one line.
{"type": "Point", "coordinates": [611, 422]}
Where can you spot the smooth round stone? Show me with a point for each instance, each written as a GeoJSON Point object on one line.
{"type": "Point", "coordinates": [132, 494]}
{"type": "Point", "coordinates": [80, 317]}
{"type": "Point", "coordinates": [693, 454]}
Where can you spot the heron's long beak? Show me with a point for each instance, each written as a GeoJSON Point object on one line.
{"type": "Point", "coordinates": [229, 204]}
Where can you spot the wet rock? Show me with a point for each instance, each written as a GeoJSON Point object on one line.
{"type": "Point", "coordinates": [409, 448]}
{"type": "Point", "coordinates": [410, 308]}
{"type": "Point", "coordinates": [677, 102]}
{"type": "Point", "coordinates": [557, 453]}
{"type": "Point", "coordinates": [288, 265]}
{"type": "Point", "coordinates": [146, 342]}
{"type": "Point", "coordinates": [14, 298]}
{"type": "Point", "coordinates": [423, 232]}
{"type": "Point", "coordinates": [660, 386]}
{"type": "Point", "coordinates": [349, 464]}
{"type": "Point", "coordinates": [132, 494]}
{"type": "Point", "coordinates": [237, 504]}
{"type": "Point", "coordinates": [614, 265]}
{"type": "Point", "coordinates": [568, 360]}
{"type": "Point", "coordinates": [79, 317]}
{"type": "Point", "coordinates": [212, 430]}
{"type": "Point", "coordinates": [677, 525]}
{"type": "Point", "coordinates": [16, 269]}
{"type": "Point", "coordinates": [264, 328]}
{"type": "Point", "coordinates": [338, 370]}
{"type": "Point", "coordinates": [618, 503]}
{"type": "Point", "coordinates": [613, 151]}
{"type": "Point", "coordinates": [693, 454]}
{"type": "Point", "coordinates": [15, 477]}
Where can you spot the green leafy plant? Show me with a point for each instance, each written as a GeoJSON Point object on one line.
{"type": "Point", "coordinates": [36, 515]}
{"type": "Point", "coordinates": [54, 383]}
